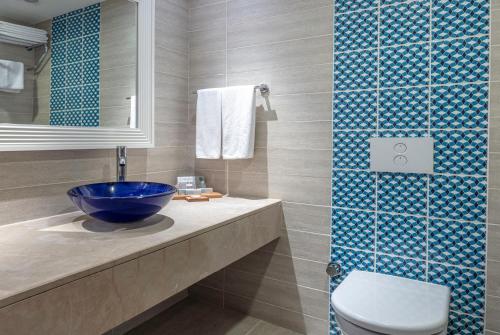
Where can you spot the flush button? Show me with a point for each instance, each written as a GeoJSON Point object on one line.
{"type": "Point", "coordinates": [400, 160]}
{"type": "Point", "coordinates": [400, 148]}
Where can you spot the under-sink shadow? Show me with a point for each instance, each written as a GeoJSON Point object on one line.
{"type": "Point", "coordinates": [152, 225]}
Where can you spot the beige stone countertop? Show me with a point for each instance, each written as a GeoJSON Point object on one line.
{"type": "Point", "coordinates": [41, 254]}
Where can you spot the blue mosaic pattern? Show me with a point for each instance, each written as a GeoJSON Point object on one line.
{"type": "Point", "coordinates": [452, 19]}
{"type": "Point", "coordinates": [460, 61]}
{"type": "Point", "coordinates": [404, 66]}
{"type": "Point", "coordinates": [349, 260]}
{"type": "Point", "coordinates": [460, 152]}
{"type": "Point", "coordinates": [458, 198]}
{"type": "Point", "coordinates": [402, 193]}
{"type": "Point", "coordinates": [401, 235]}
{"type": "Point", "coordinates": [407, 23]}
{"type": "Point", "coordinates": [342, 6]}
{"type": "Point", "coordinates": [355, 110]}
{"type": "Point", "coordinates": [459, 106]}
{"type": "Point", "coordinates": [463, 324]}
{"type": "Point", "coordinates": [401, 267]}
{"type": "Point", "coordinates": [353, 189]}
{"type": "Point", "coordinates": [351, 149]}
{"type": "Point", "coordinates": [457, 243]}
{"type": "Point", "coordinates": [404, 108]}
{"type": "Point", "coordinates": [467, 287]}
{"type": "Point", "coordinates": [75, 91]}
{"type": "Point", "coordinates": [353, 229]}
{"type": "Point", "coordinates": [357, 30]}
{"type": "Point", "coordinates": [429, 228]}
{"type": "Point", "coordinates": [356, 70]}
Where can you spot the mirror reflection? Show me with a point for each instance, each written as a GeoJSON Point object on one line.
{"type": "Point", "coordinates": [68, 63]}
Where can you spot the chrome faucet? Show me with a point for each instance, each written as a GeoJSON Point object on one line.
{"type": "Point", "coordinates": [121, 163]}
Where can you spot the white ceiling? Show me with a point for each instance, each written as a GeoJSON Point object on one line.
{"type": "Point", "coordinates": [24, 12]}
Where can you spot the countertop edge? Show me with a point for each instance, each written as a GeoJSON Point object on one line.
{"type": "Point", "coordinates": [53, 284]}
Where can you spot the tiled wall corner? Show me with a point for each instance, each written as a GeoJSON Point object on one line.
{"type": "Point", "coordinates": [413, 68]}
{"type": "Point", "coordinates": [75, 63]}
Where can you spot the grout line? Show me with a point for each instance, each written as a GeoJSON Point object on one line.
{"type": "Point", "coordinates": [416, 86]}
{"type": "Point", "coordinates": [251, 330]}
{"type": "Point", "coordinates": [411, 44]}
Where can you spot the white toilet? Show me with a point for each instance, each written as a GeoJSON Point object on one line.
{"type": "Point", "coordinates": [368, 303]}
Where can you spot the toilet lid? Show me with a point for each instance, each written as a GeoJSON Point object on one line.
{"type": "Point", "coordinates": [392, 305]}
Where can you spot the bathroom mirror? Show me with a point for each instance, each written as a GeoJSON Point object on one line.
{"type": "Point", "coordinates": [76, 74]}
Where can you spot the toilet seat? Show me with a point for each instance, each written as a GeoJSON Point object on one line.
{"type": "Point", "coordinates": [374, 303]}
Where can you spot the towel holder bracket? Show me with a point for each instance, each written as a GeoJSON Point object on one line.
{"type": "Point", "coordinates": [263, 88]}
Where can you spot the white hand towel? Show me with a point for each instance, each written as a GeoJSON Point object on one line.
{"type": "Point", "coordinates": [209, 124]}
{"type": "Point", "coordinates": [11, 76]}
{"type": "Point", "coordinates": [238, 122]}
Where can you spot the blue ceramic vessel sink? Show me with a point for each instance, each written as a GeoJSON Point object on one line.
{"type": "Point", "coordinates": [122, 201]}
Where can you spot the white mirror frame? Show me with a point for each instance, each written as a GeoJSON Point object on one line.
{"type": "Point", "coordinates": [37, 137]}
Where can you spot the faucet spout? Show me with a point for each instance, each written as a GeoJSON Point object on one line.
{"type": "Point", "coordinates": [121, 163]}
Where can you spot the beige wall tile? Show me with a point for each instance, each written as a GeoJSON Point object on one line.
{"type": "Point", "coordinates": [495, 25]}
{"type": "Point", "coordinates": [207, 64]}
{"type": "Point", "coordinates": [171, 26]}
{"type": "Point", "coordinates": [299, 107]}
{"type": "Point", "coordinates": [315, 50]}
{"type": "Point", "coordinates": [495, 63]}
{"type": "Point", "coordinates": [286, 295]}
{"type": "Point", "coordinates": [258, 9]}
{"type": "Point", "coordinates": [214, 179]}
{"type": "Point", "coordinates": [313, 219]}
{"type": "Point", "coordinates": [303, 245]}
{"type": "Point", "coordinates": [207, 294]}
{"type": "Point", "coordinates": [285, 268]}
{"type": "Point", "coordinates": [294, 135]}
{"type": "Point", "coordinates": [207, 17]}
{"type": "Point", "coordinates": [301, 162]}
{"type": "Point", "coordinates": [285, 318]}
{"type": "Point", "coordinates": [493, 242]}
{"type": "Point", "coordinates": [252, 30]}
{"type": "Point", "coordinates": [492, 311]}
{"type": "Point", "coordinates": [202, 41]}
{"type": "Point", "coordinates": [493, 278]}
{"type": "Point", "coordinates": [171, 62]}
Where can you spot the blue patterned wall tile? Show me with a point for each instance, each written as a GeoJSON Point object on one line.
{"type": "Point", "coordinates": [90, 96]}
{"type": "Point", "coordinates": [460, 61]}
{"type": "Point", "coordinates": [403, 133]}
{"type": "Point", "coordinates": [458, 198]}
{"type": "Point", "coordinates": [58, 55]}
{"type": "Point", "coordinates": [353, 229]}
{"type": "Point", "coordinates": [75, 82]}
{"type": "Point", "coordinates": [349, 260]}
{"type": "Point", "coordinates": [57, 99]}
{"type": "Point", "coordinates": [391, 2]}
{"type": "Point", "coordinates": [457, 243]}
{"type": "Point", "coordinates": [451, 19]}
{"type": "Point", "coordinates": [58, 77]}
{"type": "Point", "coordinates": [74, 74]}
{"type": "Point", "coordinates": [73, 118]}
{"type": "Point", "coordinates": [463, 324]}
{"type": "Point", "coordinates": [402, 235]}
{"type": "Point", "coordinates": [402, 193]}
{"type": "Point", "coordinates": [353, 189]}
{"type": "Point", "coordinates": [91, 22]}
{"type": "Point", "coordinates": [91, 47]}
{"type": "Point", "coordinates": [405, 23]}
{"type": "Point", "coordinates": [404, 108]}
{"type": "Point", "coordinates": [404, 65]}
{"type": "Point", "coordinates": [74, 51]}
{"type": "Point", "coordinates": [356, 30]}
{"type": "Point", "coordinates": [342, 6]}
{"type": "Point", "coordinates": [58, 31]}
{"type": "Point", "coordinates": [351, 149]}
{"type": "Point", "coordinates": [355, 110]}
{"type": "Point", "coordinates": [91, 70]}
{"type": "Point", "coordinates": [401, 267]}
{"type": "Point", "coordinates": [74, 26]}
{"type": "Point", "coordinates": [459, 106]}
{"type": "Point", "coordinates": [73, 97]}
{"type": "Point", "coordinates": [355, 70]}
{"type": "Point", "coordinates": [56, 118]}
{"type": "Point", "coordinates": [460, 151]}
{"type": "Point", "coordinates": [467, 287]}
{"type": "Point", "coordinates": [90, 118]}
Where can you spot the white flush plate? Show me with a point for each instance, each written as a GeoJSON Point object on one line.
{"type": "Point", "coordinates": [402, 154]}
